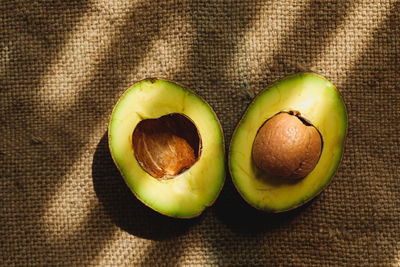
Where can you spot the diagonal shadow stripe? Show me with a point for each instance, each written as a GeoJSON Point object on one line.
{"type": "Point", "coordinates": [303, 44]}
{"type": "Point", "coordinates": [218, 29]}
{"type": "Point", "coordinates": [30, 39]}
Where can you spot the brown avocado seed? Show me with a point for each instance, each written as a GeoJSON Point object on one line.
{"type": "Point", "coordinates": [166, 146]}
{"type": "Point", "coordinates": [286, 146]}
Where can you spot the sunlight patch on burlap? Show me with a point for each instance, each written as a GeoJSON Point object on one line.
{"type": "Point", "coordinates": [126, 250]}
{"type": "Point", "coordinates": [274, 28]}
{"type": "Point", "coordinates": [396, 261]}
{"type": "Point", "coordinates": [67, 210]}
{"type": "Point", "coordinates": [351, 38]}
{"type": "Point", "coordinates": [85, 46]}
{"type": "Point", "coordinates": [166, 56]}
{"type": "Point", "coordinates": [271, 20]}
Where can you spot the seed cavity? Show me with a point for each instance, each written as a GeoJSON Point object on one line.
{"type": "Point", "coordinates": [166, 146]}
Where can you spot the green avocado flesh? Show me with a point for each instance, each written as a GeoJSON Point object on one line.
{"type": "Point", "coordinates": [188, 193]}
{"type": "Point", "coordinates": [319, 102]}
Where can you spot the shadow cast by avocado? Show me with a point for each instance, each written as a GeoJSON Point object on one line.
{"type": "Point", "coordinates": [240, 217]}
{"type": "Point", "coordinates": [125, 210]}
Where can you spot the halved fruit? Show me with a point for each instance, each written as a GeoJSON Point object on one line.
{"type": "Point", "coordinates": [168, 145]}
{"type": "Point", "coordinates": [289, 143]}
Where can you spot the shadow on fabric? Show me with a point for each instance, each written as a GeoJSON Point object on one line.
{"type": "Point", "coordinates": [124, 208]}
{"type": "Point", "coordinates": [240, 217]}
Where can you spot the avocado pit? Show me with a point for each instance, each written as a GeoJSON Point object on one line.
{"type": "Point", "coordinates": [287, 146]}
{"type": "Point", "coordinates": [166, 146]}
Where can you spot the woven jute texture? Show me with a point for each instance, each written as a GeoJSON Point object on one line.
{"type": "Point", "coordinates": [63, 66]}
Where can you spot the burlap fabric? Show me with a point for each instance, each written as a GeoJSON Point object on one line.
{"type": "Point", "coordinates": [63, 65]}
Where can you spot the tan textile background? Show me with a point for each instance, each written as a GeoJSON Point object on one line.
{"type": "Point", "coordinates": [63, 65]}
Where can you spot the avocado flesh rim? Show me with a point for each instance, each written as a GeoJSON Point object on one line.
{"type": "Point", "coordinates": [187, 194]}
{"type": "Point", "coordinates": [319, 102]}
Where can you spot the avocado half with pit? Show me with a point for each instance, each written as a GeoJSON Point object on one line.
{"type": "Point", "coordinates": [168, 145]}
{"type": "Point", "coordinates": [289, 143]}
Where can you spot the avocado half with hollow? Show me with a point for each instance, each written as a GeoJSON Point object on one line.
{"type": "Point", "coordinates": [168, 145]}
{"type": "Point", "coordinates": [289, 143]}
